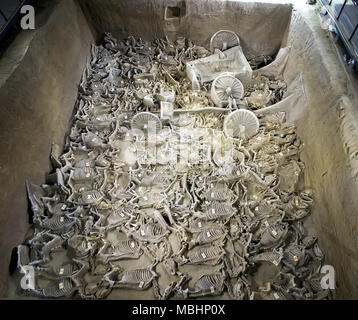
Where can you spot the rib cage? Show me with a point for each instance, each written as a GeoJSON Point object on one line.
{"type": "Point", "coordinates": [294, 255]}
{"type": "Point", "coordinates": [151, 232]}
{"type": "Point", "coordinates": [273, 235]}
{"type": "Point", "coordinates": [272, 256]}
{"type": "Point", "coordinates": [116, 216]}
{"type": "Point", "coordinates": [137, 276]}
{"type": "Point", "coordinates": [216, 194]}
{"type": "Point", "coordinates": [59, 223]}
{"type": "Point", "coordinates": [79, 244]}
{"type": "Point", "coordinates": [209, 235]}
{"type": "Point", "coordinates": [84, 163]}
{"type": "Point", "coordinates": [280, 295]}
{"type": "Point", "coordinates": [138, 279]}
{"type": "Point", "coordinates": [205, 254]}
{"type": "Point", "coordinates": [284, 281]}
{"type": "Point", "coordinates": [233, 172]}
{"type": "Point", "coordinates": [91, 197]}
{"type": "Point", "coordinates": [197, 225]}
{"type": "Point", "coordinates": [155, 178]}
{"type": "Point", "coordinates": [309, 241]}
{"type": "Point", "coordinates": [315, 284]}
{"type": "Point", "coordinates": [64, 288]}
{"type": "Point", "coordinates": [83, 174]}
{"type": "Point", "coordinates": [262, 211]}
{"type": "Point", "coordinates": [218, 210]}
{"type": "Point", "coordinates": [210, 284]}
{"type": "Point", "coordinates": [125, 249]}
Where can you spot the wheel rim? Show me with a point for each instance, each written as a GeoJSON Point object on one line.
{"type": "Point", "coordinates": [223, 40]}
{"type": "Point", "coordinates": [226, 87]}
{"type": "Point", "coordinates": [145, 120]}
{"type": "Point", "coordinates": [242, 124]}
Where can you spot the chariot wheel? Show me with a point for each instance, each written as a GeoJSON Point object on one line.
{"type": "Point", "coordinates": [223, 40]}
{"type": "Point", "coordinates": [225, 88]}
{"type": "Point", "coordinates": [242, 124]}
{"type": "Point", "coordinates": [145, 120]}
